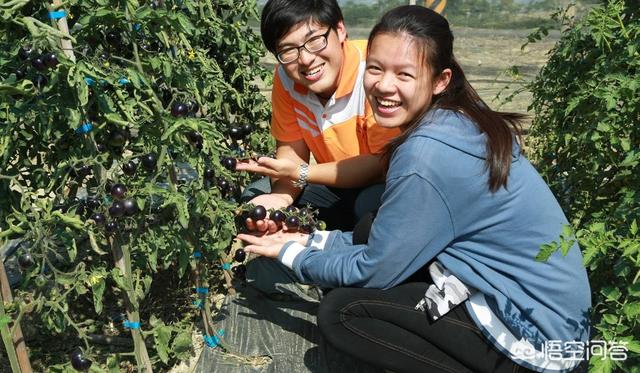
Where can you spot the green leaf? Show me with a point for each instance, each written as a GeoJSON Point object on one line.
{"type": "Point", "coordinates": [546, 250]}
{"type": "Point", "coordinates": [97, 288]}
{"type": "Point", "coordinates": [186, 24]}
{"type": "Point", "coordinates": [119, 279]}
{"type": "Point", "coordinates": [603, 127]}
{"type": "Point", "coordinates": [599, 365]}
{"type": "Point", "coordinates": [181, 346]}
{"type": "Point", "coordinates": [4, 320]}
{"type": "Point", "coordinates": [610, 319]}
{"type": "Point", "coordinates": [634, 289]}
{"type": "Point", "coordinates": [73, 251]}
{"type": "Point", "coordinates": [113, 363]}
{"type": "Point", "coordinates": [611, 293]}
{"type": "Point", "coordinates": [162, 335]}
{"type": "Point", "coordinates": [94, 244]}
{"type": "Point", "coordinates": [632, 310]}
{"type": "Point", "coordinates": [634, 227]}
{"type": "Point", "coordinates": [634, 346]}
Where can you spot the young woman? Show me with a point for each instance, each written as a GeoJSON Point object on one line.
{"type": "Point", "coordinates": [462, 202]}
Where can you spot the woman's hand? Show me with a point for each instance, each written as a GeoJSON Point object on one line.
{"type": "Point", "coordinates": [270, 244]}
{"type": "Point", "coordinates": [282, 168]}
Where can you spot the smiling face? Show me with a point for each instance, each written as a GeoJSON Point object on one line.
{"type": "Point", "coordinates": [318, 71]}
{"type": "Point", "coordinates": [397, 82]}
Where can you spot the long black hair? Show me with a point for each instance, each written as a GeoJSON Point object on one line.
{"type": "Point", "coordinates": [434, 38]}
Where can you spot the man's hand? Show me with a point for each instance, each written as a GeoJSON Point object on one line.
{"type": "Point", "coordinates": [282, 168]}
{"type": "Point", "coordinates": [269, 201]}
{"type": "Point", "coordinates": [270, 244]}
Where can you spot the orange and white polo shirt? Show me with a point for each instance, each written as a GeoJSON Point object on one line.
{"type": "Point", "coordinates": [342, 128]}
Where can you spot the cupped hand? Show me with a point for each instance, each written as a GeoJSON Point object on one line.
{"type": "Point", "coordinates": [270, 244]}
{"type": "Point", "coordinates": [283, 168]}
{"type": "Point", "coordinates": [269, 201]}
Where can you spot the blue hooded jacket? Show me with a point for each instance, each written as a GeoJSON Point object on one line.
{"type": "Point", "coordinates": [437, 205]}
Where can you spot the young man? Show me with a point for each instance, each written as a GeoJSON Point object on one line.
{"type": "Point", "coordinates": [319, 108]}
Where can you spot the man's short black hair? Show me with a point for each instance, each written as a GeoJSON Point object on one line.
{"type": "Point", "coordinates": [279, 16]}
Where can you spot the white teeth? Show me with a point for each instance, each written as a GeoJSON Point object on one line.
{"type": "Point", "coordinates": [388, 103]}
{"type": "Point", "coordinates": [314, 71]}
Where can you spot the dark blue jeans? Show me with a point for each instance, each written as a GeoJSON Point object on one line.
{"type": "Point", "coordinates": [339, 208]}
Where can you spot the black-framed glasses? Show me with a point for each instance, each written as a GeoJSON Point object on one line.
{"type": "Point", "coordinates": [313, 45]}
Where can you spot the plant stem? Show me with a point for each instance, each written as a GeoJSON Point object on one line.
{"type": "Point", "coordinates": [16, 339]}
{"type": "Point", "coordinates": [122, 258]}
{"type": "Point", "coordinates": [8, 342]}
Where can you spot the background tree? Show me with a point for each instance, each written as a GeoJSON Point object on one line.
{"type": "Point", "coordinates": [585, 141]}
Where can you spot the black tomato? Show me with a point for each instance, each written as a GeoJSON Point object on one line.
{"type": "Point", "coordinates": [25, 260]}
{"type": "Point", "coordinates": [111, 227]}
{"type": "Point", "coordinates": [306, 228]}
{"type": "Point", "coordinates": [130, 207]}
{"type": "Point", "coordinates": [92, 203]}
{"type": "Point", "coordinates": [292, 222]}
{"type": "Point", "coordinates": [258, 213]}
{"type": "Point", "coordinates": [117, 138]}
{"type": "Point", "coordinates": [240, 255]}
{"type": "Point", "coordinates": [209, 173]}
{"type": "Point", "coordinates": [223, 185]}
{"type": "Point", "coordinates": [50, 59]}
{"type": "Point", "coordinates": [235, 133]}
{"type": "Point", "coordinates": [239, 270]}
{"type": "Point", "coordinates": [179, 109]}
{"type": "Point", "coordinates": [194, 137]}
{"type": "Point", "coordinates": [82, 172]}
{"type": "Point", "coordinates": [107, 186]}
{"type": "Point", "coordinates": [149, 161]}
{"type": "Point", "coordinates": [277, 216]}
{"type": "Point", "coordinates": [101, 148]}
{"type": "Point", "coordinates": [99, 218]}
{"type": "Point", "coordinates": [38, 63]}
{"type": "Point", "coordinates": [25, 52]}
{"type": "Point", "coordinates": [79, 362]}
{"type": "Point", "coordinates": [20, 73]}
{"type": "Point", "coordinates": [247, 128]}
{"type": "Point", "coordinates": [118, 190]}
{"type": "Point", "coordinates": [129, 168]}
{"type": "Point", "coordinates": [291, 208]}
{"type": "Point", "coordinates": [117, 209]}
{"type": "Point", "coordinates": [113, 38]}
{"type": "Point", "coordinates": [229, 163]}
{"type": "Point", "coordinates": [193, 107]}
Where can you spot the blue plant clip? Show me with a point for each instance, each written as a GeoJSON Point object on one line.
{"type": "Point", "coordinates": [197, 255]}
{"type": "Point", "coordinates": [198, 303]}
{"type": "Point", "coordinates": [211, 341]}
{"type": "Point", "coordinates": [202, 290]}
{"type": "Point", "coordinates": [123, 81]}
{"type": "Point", "coordinates": [137, 26]}
{"type": "Point", "coordinates": [131, 324]}
{"type": "Point", "coordinates": [57, 14]}
{"type": "Point", "coordinates": [84, 128]}
{"type": "Point", "coordinates": [89, 81]}
{"type": "Point", "coordinates": [226, 266]}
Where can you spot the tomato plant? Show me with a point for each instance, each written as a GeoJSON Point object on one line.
{"type": "Point", "coordinates": [114, 145]}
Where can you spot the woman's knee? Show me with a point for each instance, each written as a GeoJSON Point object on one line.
{"type": "Point", "coordinates": [331, 306]}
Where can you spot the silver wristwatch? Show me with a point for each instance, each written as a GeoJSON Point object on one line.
{"type": "Point", "coordinates": [302, 180]}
